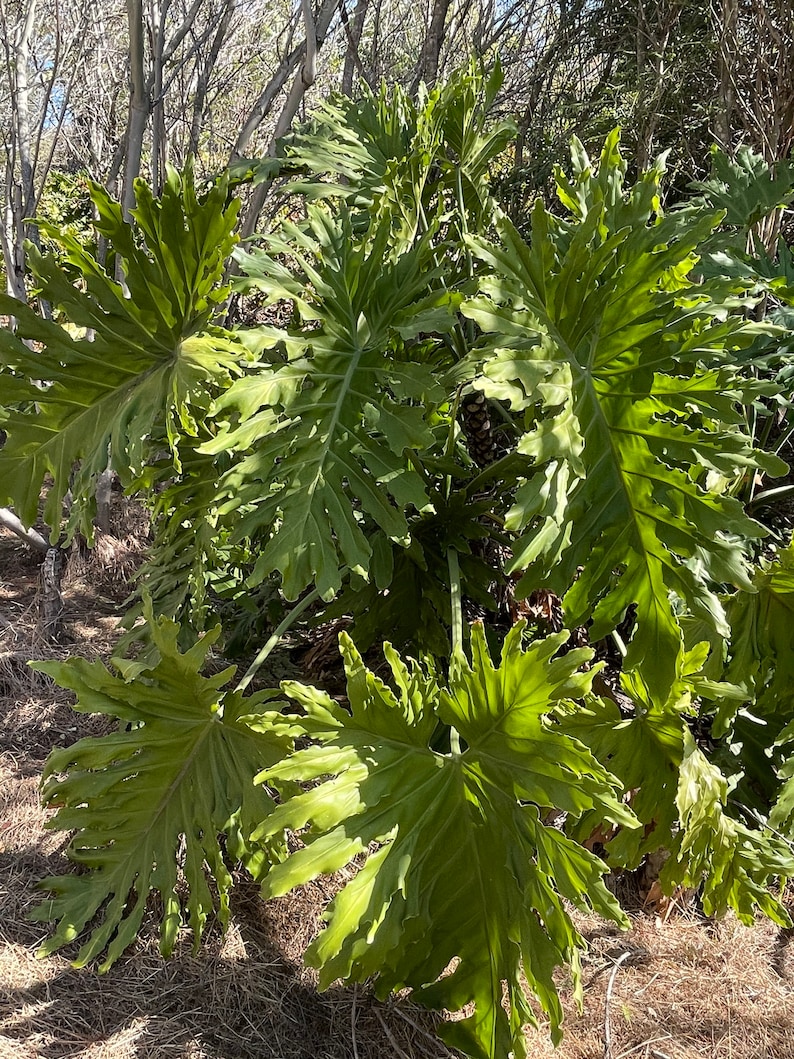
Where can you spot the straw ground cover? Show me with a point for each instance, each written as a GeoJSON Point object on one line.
{"type": "Point", "coordinates": [688, 987]}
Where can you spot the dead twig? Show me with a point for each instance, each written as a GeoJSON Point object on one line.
{"type": "Point", "coordinates": [411, 1022]}
{"type": "Point", "coordinates": [607, 1025]}
{"type": "Point", "coordinates": [390, 1036]}
{"type": "Point", "coordinates": [353, 1022]}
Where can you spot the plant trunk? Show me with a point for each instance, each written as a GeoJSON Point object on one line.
{"type": "Point", "coordinates": [159, 150]}
{"type": "Point", "coordinates": [723, 122]}
{"type": "Point", "coordinates": [50, 596]}
{"type": "Point", "coordinates": [316, 30]}
{"type": "Point", "coordinates": [19, 183]}
{"type": "Point", "coordinates": [104, 493]}
{"type": "Point", "coordinates": [352, 57]}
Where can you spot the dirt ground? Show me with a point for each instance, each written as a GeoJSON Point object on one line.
{"type": "Point", "coordinates": [687, 988]}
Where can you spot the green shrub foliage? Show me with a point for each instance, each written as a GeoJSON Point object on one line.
{"type": "Point", "coordinates": [178, 773]}
{"type": "Point", "coordinates": [463, 866]}
{"type": "Point", "coordinates": [628, 398]}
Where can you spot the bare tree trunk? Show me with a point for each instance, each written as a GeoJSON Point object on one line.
{"type": "Point", "coordinates": [140, 105]}
{"type": "Point", "coordinates": [203, 69]}
{"type": "Point", "coordinates": [427, 67]}
{"type": "Point", "coordinates": [655, 23]}
{"type": "Point", "coordinates": [316, 30]}
{"type": "Point", "coordinates": [158, 15]}
{"type": "Point", "coordinates": [726, 58]}
{"type": "Point", "coordinates": [305, 77]}
{"type": "Point", "coordinates": [264, 104]}
{"type": "Point", "coordinates": [34, 123]}
{"type": "Point", "coordinates": [19, 195]}
{"type": "Point", "coordinates": [23, 106]}
{"type": "Point", "coordinates": [352, 57]}
{"type": "Point", "coordinates": [374, 54]}
{"type": "Point", "coordinates": [13, 249]}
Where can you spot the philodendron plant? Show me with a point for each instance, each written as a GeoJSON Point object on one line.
{"type": "Point", "coordinates": [329, 459]}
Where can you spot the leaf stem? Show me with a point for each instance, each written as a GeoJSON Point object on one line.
{"type": "Point", "coordinates": [292, 617]}
{"type": "Point", "coordinates": [618, 641]}
{"type": "Point", "coordinates": [413, 458]}
{"type": "Point", "coordinates": [449, 447]}
{"type": "Point", "coordinates": [768, 496]}
{"type": "Point", "coordinates": [455, 601]}
{"type": "Point", "coordinates": [498, 469]}
{"type": "Point", "coordinates": [454, 742]}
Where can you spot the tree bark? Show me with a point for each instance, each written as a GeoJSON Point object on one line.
{"type": "Point", "coordinates": [316, 31]}
{"type": "Point", "coordinates": [158, 16]}
{"type": "Point", "coordinates": [50, 596]}
{"type": "Point", "coordinates": [140, 105]}
{"type": "Point", "coordinates": [204, 66]}
{"type": "Point", "coordinates": [19, 183]}
{"type": "Point", "coordinates": [104, 494]}
{"type": "Point", "coordinates": [352, 57]}
{"type": "Point", "coordinates": [264, 104]}
{"type": "Point", "coordinates": [23, 105]}
{"type": "Point", "coordinates": [427, 67]}
{"type": "Point", "coordinates": [726, 56]}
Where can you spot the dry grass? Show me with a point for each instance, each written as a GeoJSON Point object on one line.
{"type": "Point", "coordinates": [690, 989]}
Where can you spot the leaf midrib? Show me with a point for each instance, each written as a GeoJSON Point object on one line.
{"type": "Point", "coordinates": [168, 794]}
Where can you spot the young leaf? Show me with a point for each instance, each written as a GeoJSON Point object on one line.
{"type": "Point", "coordinates": [177, 773]}
{"type": "Point", "coordinates": [747, 187]}
{"type": "Point", "coordinates": [408, 159]}
{"type": "Point", "coordinates": [464, 873]}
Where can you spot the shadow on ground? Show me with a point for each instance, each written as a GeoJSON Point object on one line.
{"type": "Point", "coordinates": [240, 997]}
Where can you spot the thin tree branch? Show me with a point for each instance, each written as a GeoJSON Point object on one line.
{"type": "Point", "coordinates": [10, 522]}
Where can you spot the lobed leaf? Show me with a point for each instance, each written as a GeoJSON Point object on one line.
{"type": "Point", "coordinates": [147, 803]}
{"type": "Point", "coordinates": [619, 367]}
{"type": "Point", "coordinates": [680, 797]}
{"type": "Point", "coordinates": [326, 445]}
{"type": "Point", "coordinates": [462, 889]}
{"type": "Point", "coordinates": [137, 363]}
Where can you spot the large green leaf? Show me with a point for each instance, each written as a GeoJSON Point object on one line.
{"type": "Point", "coordinates": [762, 643]}
{"type": "Point", "coordinates": [762, 661]}
{"type": "Point", "coordinates": [620, 369]}
{"type": "Point", "coordinates": [320, 427]}
{"type": "Point", "coordinates": [189, 547]}
{"type": "Point", "coordinates": [737, 865]}
{"type": "Point", "coordinates": [140, 358]}
{"type": "Point", "coordinates": [322, 438]}
{"type": "Point", "coordinates": [440, 790]}
{"type": "Point", "coordinates": [154, 795]}
{"type": "Point", "coordinates": [749, 190]}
